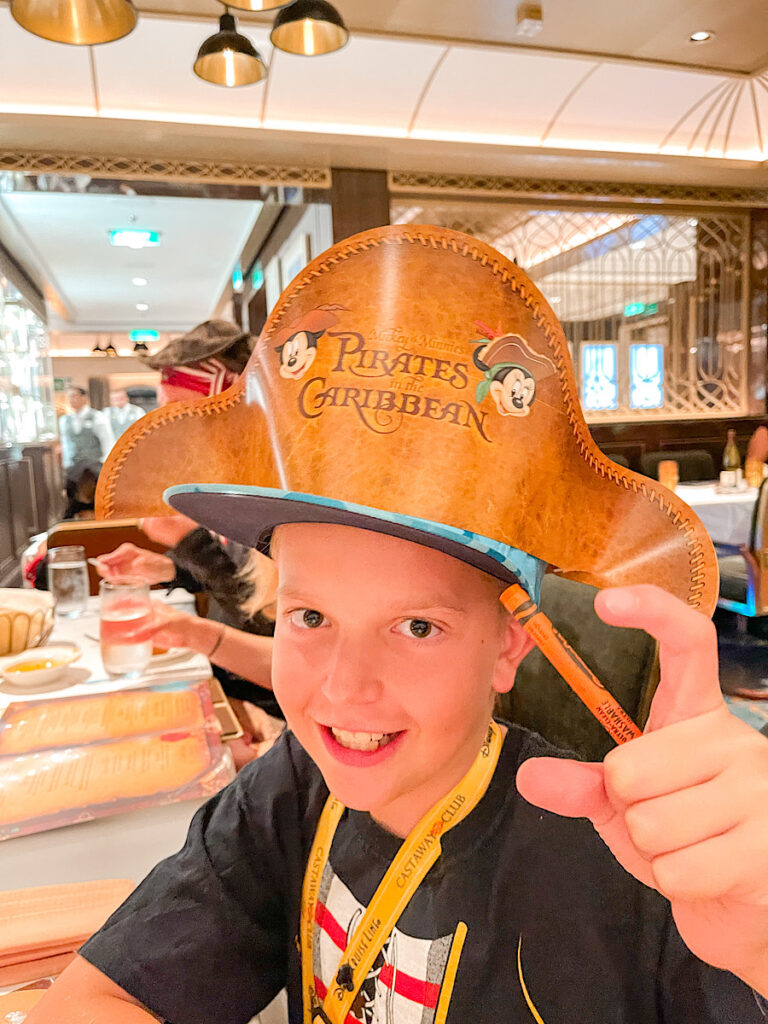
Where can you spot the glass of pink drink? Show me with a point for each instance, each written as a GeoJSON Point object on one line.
{"type": "Point", "coordinates": [125, 609]}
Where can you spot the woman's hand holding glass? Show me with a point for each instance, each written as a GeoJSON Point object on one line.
{"type": "Point", "coordinates": [171, 627]}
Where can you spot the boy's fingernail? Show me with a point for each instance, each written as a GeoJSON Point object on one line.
{"type": "Point", "coordinates": [620, 602]}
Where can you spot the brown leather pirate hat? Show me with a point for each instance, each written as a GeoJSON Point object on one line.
{"type": "Point", "coordinates": [412, 380]}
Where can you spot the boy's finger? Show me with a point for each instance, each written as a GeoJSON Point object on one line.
{"type": "Point", "coordinates": [569, 788]}
{"type": "Point", "coordinates": [689, 683]}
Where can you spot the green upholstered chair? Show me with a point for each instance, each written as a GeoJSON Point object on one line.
{"type": "Point", "coordinates": [624, 660]}
{"type": "Point", "coordinates": [695, 464]}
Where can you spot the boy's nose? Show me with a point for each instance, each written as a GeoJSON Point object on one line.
{"type": "Point", "coordinates": [352, 674]}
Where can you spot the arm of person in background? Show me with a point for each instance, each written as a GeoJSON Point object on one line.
{"type": "Point", "coordinates": [168, 529]}
{"type": "Point", "coordinates": [758, 445]}
{"type": "Point", "coordinates": [83, 995]}
{"type": "Point", "coordinates": [204, 563]}
{"type": "Point", "coordinates": [202, 556]}
{"type": "Point", "coordinates": [245, 654]}
{"type": "Point", "coordinates": [130, 561]}
{"type": "Point", "coordinates": [103, 431]}
{"type": "Point", "coordinates": [65, 437]}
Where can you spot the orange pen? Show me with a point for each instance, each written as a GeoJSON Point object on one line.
{"type": "Point", "coordinates": [581, 679]}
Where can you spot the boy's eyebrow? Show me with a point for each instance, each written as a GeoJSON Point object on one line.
{"type": "Point", "coordinates": [426, 606]}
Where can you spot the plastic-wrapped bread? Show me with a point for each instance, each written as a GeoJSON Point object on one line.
{"type": "Point", "coordinates": [55, 787]}
{"type": "Point", "coordinates": [36, 725]}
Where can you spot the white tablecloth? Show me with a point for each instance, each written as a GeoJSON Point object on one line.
{"type": "Point", "coordinates": [727, 517]}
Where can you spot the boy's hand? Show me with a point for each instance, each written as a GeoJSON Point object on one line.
{"type": "Point", "coordinates": [684, 808]}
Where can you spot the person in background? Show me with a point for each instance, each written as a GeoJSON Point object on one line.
{"type": "Point", "coordinates": [86, 435]}
{"type": "Point", "coordinates": [203, 362]}
{"type": "Point", "coordinates": [757, 448]}
{"type": "Point", "coordinates": [81, 480]}
{"type": "Point", "coordinates": [121, 412]}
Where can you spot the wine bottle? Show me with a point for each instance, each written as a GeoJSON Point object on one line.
{"type": "Point", "coordinates": [731, 474]}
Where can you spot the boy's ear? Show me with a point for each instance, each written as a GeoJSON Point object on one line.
{"type": "Point", "coordinates": [515, 644]}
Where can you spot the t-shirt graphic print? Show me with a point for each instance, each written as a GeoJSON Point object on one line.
{"type": "Point", "coordinates": [405, 984]}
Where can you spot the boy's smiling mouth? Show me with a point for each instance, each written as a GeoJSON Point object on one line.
{"type": "Point", "coordinates": [360, 748]}
{"type": "Point", "coordinates": [362, 740]}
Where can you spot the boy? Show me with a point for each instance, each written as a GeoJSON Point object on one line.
{"type": "Point", "coordinates": [430, 887]}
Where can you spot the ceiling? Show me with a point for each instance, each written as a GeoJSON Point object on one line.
{"type": "Point", "coordinates": [652, 30]}
{"type": "Point", "coordinates": [62, 240]}
{"type": "Point", "coordinates": [421, 82]}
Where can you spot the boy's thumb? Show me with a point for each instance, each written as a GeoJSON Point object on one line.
{"type": "Point", "coordinates": [572, 788]}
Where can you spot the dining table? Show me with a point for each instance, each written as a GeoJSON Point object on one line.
{"type": "Point", "coordinates": [725, 514]}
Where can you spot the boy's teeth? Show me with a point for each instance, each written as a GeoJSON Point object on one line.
{"type": "Point", "coordinates": [361, 740]}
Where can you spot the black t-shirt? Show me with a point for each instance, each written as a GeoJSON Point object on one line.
{"type": "Point", "coordinates": [556, 930]}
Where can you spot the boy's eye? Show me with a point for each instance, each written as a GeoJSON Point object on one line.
{"type": "Point", "coordinates": [307, 618]}
{"type": "Point", "coordinates": [420, 628]}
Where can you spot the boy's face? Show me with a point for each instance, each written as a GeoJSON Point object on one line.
{"type": "Point", "coordinates": [387, 655]}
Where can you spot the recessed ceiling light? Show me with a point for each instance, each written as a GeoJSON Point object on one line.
{"type": "Point", "coordinates": [134, 238]}
{"type": "Point", "coordinates": [142, 307]}
{"type": "Point", "coordinates": [702, 36]}
{"type": "Point", "coordinates": [139, 281]}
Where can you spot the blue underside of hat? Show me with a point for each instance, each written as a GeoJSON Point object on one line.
{"type": "Point", "coordinates": [249, 514]}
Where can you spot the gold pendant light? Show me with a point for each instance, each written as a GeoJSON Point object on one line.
{"type": "Point", "coordinates": [309, 28]}
{"type": "Point", "coordinates": [229, 58]}
{"type": "Point", "coordinates": [78, 22]}
{"type": "Point", "coordinates": [257, 6]}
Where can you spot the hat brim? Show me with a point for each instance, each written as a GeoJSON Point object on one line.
{"type": "Point", "coordinates": [248, 515]}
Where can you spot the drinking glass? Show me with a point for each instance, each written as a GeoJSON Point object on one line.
{"type": "Point", "coordinates": [124, 609]}
{"type": "Point", "coordinates": [753, 472]}
{"type": "Point", "coordinates": [669, 473]}
{"type": "Point", "coordinates": [68, 580]}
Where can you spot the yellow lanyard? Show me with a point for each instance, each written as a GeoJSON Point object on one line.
{"type": "Point", "coordinates": [419, 851]}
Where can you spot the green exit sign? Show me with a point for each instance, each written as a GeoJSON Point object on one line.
{"type": "Point", "coordinates": [640, 309]}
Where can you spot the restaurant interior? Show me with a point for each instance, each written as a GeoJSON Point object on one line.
{"type": "Point", "coordinates": [165, 164]}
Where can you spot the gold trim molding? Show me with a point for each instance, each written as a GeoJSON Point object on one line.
{"type": "Point", "coordinates": [147, 168]}
{"type": "Point", "coordinates": [488, 186]}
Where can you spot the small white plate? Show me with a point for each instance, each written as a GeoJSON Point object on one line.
{"type": "Point", "coordinates": [59, 657]}
{"type": "Point", "coordinates": [72, 676]}
{"type": "Point", "coordinates": [170, 657]}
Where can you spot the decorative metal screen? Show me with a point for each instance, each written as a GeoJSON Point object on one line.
{"type": "Point", "coordinates": [655, 299]}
